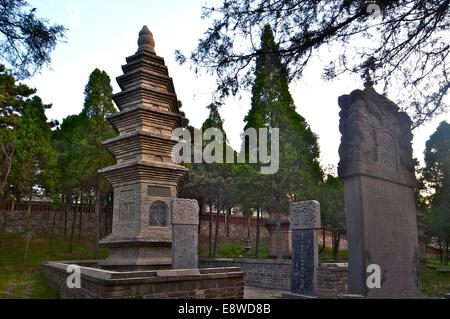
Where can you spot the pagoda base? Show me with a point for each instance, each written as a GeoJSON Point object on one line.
{"type": "Point", "coordinates": [99, 283]}
{"type": "Point", "coordinates": [136, 253]}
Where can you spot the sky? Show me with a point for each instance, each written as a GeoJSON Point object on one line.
{"type": "Point", "coordinates": [102, 33]}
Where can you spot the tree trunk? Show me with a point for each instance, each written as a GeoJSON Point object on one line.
{"type": "Point", "coordinates": [278, 229]}
{"type": "Point", "coordinates": [200, 214]}
{"type": "Point", "coordinates": [228, 222]}
{"type": "Point", "coordinates": [324, 244]}
{"type": "Point", "coordinates": [440, 250]}
{"type": "Point", "coordinates": [97, 215]}
{"type": "Point", "coordinates": [52, 232]}
{"type": "Point", "coordinates": [258, 217]}
{"type": "Point", "coordinates": [216, 236]}
{"type": "Point", "coordinates": [80, 211]}
{"type": "Point", "coordinates": [74, 218]}
{"type": "Point", "coordinates": [105, 214]}
{"type": "Point", "coordinates": [210, 229]}
{"type": "Point", "coordinates": [66, 212]}
{"type": "Point", "coordinates": [336, 239]}
{"type": "Point", "coordinates": [5, 218]}
{"type": "Point", "coordinates": [28, 230]}
{"type": "Point", "coordinates": [445, 253]}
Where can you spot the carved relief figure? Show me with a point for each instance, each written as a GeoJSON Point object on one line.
{"type": "Point", "coordinates": [374, 132]}
{"type": "Point", "coordinates": [158, 214]}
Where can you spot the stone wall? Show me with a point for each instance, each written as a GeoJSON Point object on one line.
{"type": "Point", "coordinates": [276, 274]}
{"type": "Point", "coordinates": [42, 221]}
{"type": "Point", "coordinates": [218, 283]}
{"type": "Point", "coordinates": [332, 280]}
{"type": "Point", "coordinates": [263, 273]}
{"type": "Point", "coordinates": [237, 231]}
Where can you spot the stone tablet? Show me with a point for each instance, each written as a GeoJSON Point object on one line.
{"type": "Point", "coordinates": [305, 222]}
{"type": "Point", "coordinates": [377, 169]}
{"type": "Point", "coordinates": [184, 219]}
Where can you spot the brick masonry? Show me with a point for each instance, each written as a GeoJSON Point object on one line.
{"type": "Point", "coordinates": [218, 283]}
{"type": "Point", "coordinates": [263, 273]}
{"type": "Point", "coordinates": [276, 274]}
{"type": "Point", "coordinates": [332, 280]}
{"type": "Point", "coordinates": [42, 221]}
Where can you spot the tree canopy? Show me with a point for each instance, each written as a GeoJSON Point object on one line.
{"type": "Point", "coordinates": [272, 107]}
{"type": "Point", "coordinates": [436, 178]}
{"type": "Point", "coordinates": [34, 169]}
{"type": "Point", "coordinates": [13, 98]}
{"type": "Point", "coordinates": [26, 41]}
{"type": "Point", "coordinates": [404, 42]}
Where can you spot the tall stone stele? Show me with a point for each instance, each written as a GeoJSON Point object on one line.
{"type": "Point", "coordinates": [377, 168]}
{"type": "Point", "coordinates": [145, 179]}
{"type": "Point", "coordinates": [305, 225]}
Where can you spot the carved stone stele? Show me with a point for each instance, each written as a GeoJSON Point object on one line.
{"type": "Point", "coordinates": [376, 138]}
{"type": "Point", "coordinates": [184, 211]}
{"type": "Point", "coordinates": [377, 170]}
{"type": "Point", "coordinates": [184, 219]}
{"type": "Point", "coordinates": [305, 215]}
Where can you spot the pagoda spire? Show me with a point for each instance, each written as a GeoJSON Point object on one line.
{"type": "Point", "coordinates": [146, 41]}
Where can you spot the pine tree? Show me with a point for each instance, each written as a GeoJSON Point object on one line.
{"type": "Point", "coordinates": [332, 210]}
{"type": "Point", "coordinates": [272, 106]}
{"type": "Point", "coordinates": [13, 98]}
{"type": "Point", "coordinates": [436, 177]}
{"type": "Point", "coordinates": [34, 166]}
{"type": "Point", "coordinates": [98, 106]}
{"type": "Point", "coordinates": [211, 182]}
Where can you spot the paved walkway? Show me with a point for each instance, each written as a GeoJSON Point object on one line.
{"type": "Point", "coordinates": [261, 293]}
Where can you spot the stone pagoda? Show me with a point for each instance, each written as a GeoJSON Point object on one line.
{"type": "Point", "coordinates": [145, 179]}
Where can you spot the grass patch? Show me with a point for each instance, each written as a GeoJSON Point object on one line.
{"type": "Point", "coordinates": [232, 248]}
{"type": "Point", "coordinates": [235, 248]}
{"type": "Point", "coordinates": [18, 282]}
{"type": "Point", "coordinates": [437, 262]}
{"type": "Point", "coordinates": [434, 284]}
{"type": "Point", "coordinates": [327, 254]}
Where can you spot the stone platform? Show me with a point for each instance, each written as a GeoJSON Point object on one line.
{"type": "Point", "coordinates": [98, 283]}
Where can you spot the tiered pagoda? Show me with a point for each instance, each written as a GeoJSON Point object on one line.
{"type": "Point", "coordinates": [145, 177]}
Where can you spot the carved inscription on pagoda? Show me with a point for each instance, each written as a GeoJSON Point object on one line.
{"type": "Point", "coordinates": [159, 191]}
{"type": "Point", "coordinates": [126, 212]}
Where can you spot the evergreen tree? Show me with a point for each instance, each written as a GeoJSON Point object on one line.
{"type": "Point", "coordinates": [34, 169]}
{"type": "Point", "coordinates": [26, 41]}
{"type": "Point", "coordinates": [436, 179]}
{"type": "Point", "coordinates": [406, 44]}
{"type": "Point", "coordinates": [332, 210]}
{"type": "Point", "coordinates": [272, 106]}
{"type": "Point", "coordinates": [67, 140]}
{"type": "Point", "coordinates": [98, 106]}
{"type": "Point", "coordinates": [211, 182]}
{"type": "Point", "coordinates": [13, 98]}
